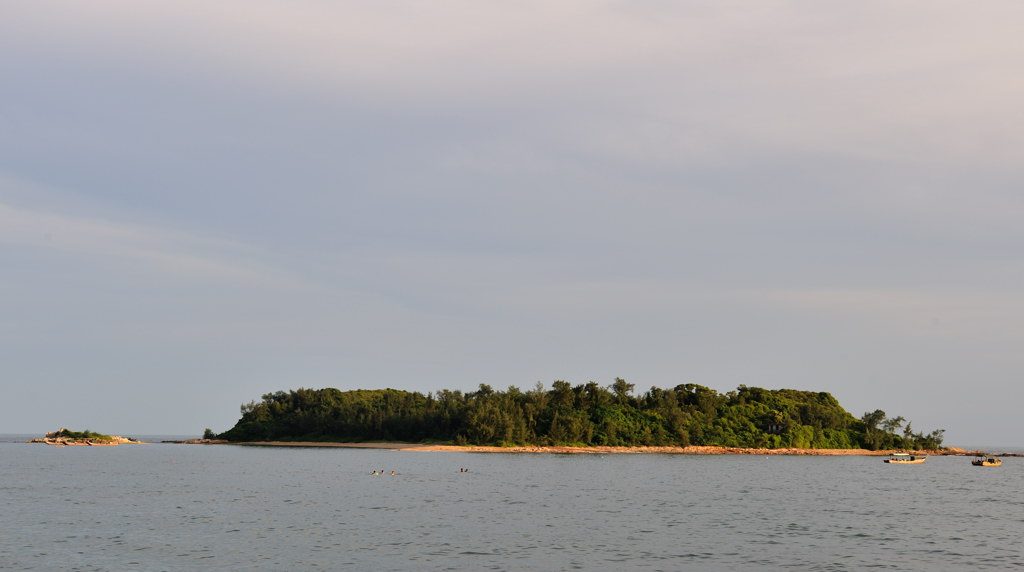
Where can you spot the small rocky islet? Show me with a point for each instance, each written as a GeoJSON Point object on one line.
{"type": "Point", "coordinates": [64, 437]}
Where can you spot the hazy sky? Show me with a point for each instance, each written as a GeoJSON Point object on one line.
{"type": "Point", "coordinates": [204, 202]}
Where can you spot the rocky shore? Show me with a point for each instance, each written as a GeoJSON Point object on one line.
{"type": "Point", "coordinates": [199, 442]}
{"type": "Point", "coordinates": [691, 450]}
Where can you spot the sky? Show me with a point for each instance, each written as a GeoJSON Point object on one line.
{"type": "Point", "coordinates": [203, 203]}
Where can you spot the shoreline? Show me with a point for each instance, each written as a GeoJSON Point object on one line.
{"type": "Point", "coordinates": [689, 450]}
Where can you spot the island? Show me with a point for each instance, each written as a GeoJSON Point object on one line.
{"type": "Point", "coordinates": [582, 418]}
{"type": "Point", "coordinates": [64, 437]}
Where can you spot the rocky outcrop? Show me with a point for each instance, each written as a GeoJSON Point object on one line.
{"type": "Point", "coordinates": [66, 438]}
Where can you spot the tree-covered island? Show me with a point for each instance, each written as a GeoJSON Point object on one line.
{"type": "Point", "coordinates": [582, 415]}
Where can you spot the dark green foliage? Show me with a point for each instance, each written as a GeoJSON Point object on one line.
{"type": "Point", "coordinates": [880, 433]}
{"type": "Point", "coordinates": [582, 415]}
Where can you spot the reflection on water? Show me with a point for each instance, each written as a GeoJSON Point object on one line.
{"type": "Point", "coordinates": [186, 507]}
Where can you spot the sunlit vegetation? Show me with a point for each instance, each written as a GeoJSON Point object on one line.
{"type": "Point", "coordinates": [86, 435]}
{"type": "Point", "coordinates": [581, 415]}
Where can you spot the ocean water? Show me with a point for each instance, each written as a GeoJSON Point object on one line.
{"type": "Point", "coordinates": [195, 507]}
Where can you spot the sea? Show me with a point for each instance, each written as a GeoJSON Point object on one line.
{"type": "Point", "coordinates": [169, 507]}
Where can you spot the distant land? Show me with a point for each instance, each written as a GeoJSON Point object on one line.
{"type": "Point", "coordinates": [581, 416]}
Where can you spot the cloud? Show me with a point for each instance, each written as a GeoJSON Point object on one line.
{"type": "Point", "coordinates": [165, 252]}
{"type": "Point", "coordinates": [65, 230]}
{"type": "Point", "coordinates": [675, 87]}
{"type": "Point", "coordinates": [937, 313]}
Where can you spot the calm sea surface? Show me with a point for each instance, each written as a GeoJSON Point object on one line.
{"type": "Point", "coordinates": [193, 507]}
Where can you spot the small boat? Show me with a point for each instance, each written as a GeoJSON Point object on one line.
{"type": "Point", "coordinates": [905, 459]}
{"type": "Point", "coordinates": [987, 462]}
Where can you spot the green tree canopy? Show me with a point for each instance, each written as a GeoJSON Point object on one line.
{"type": "Point", "coordinates": [583, 415]}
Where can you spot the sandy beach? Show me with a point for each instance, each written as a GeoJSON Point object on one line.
{"type": "Point", "coordinates": [691, 450]}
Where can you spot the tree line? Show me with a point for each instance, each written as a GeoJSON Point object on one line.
{"type": "Point", "coordinates": [580, 415]}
